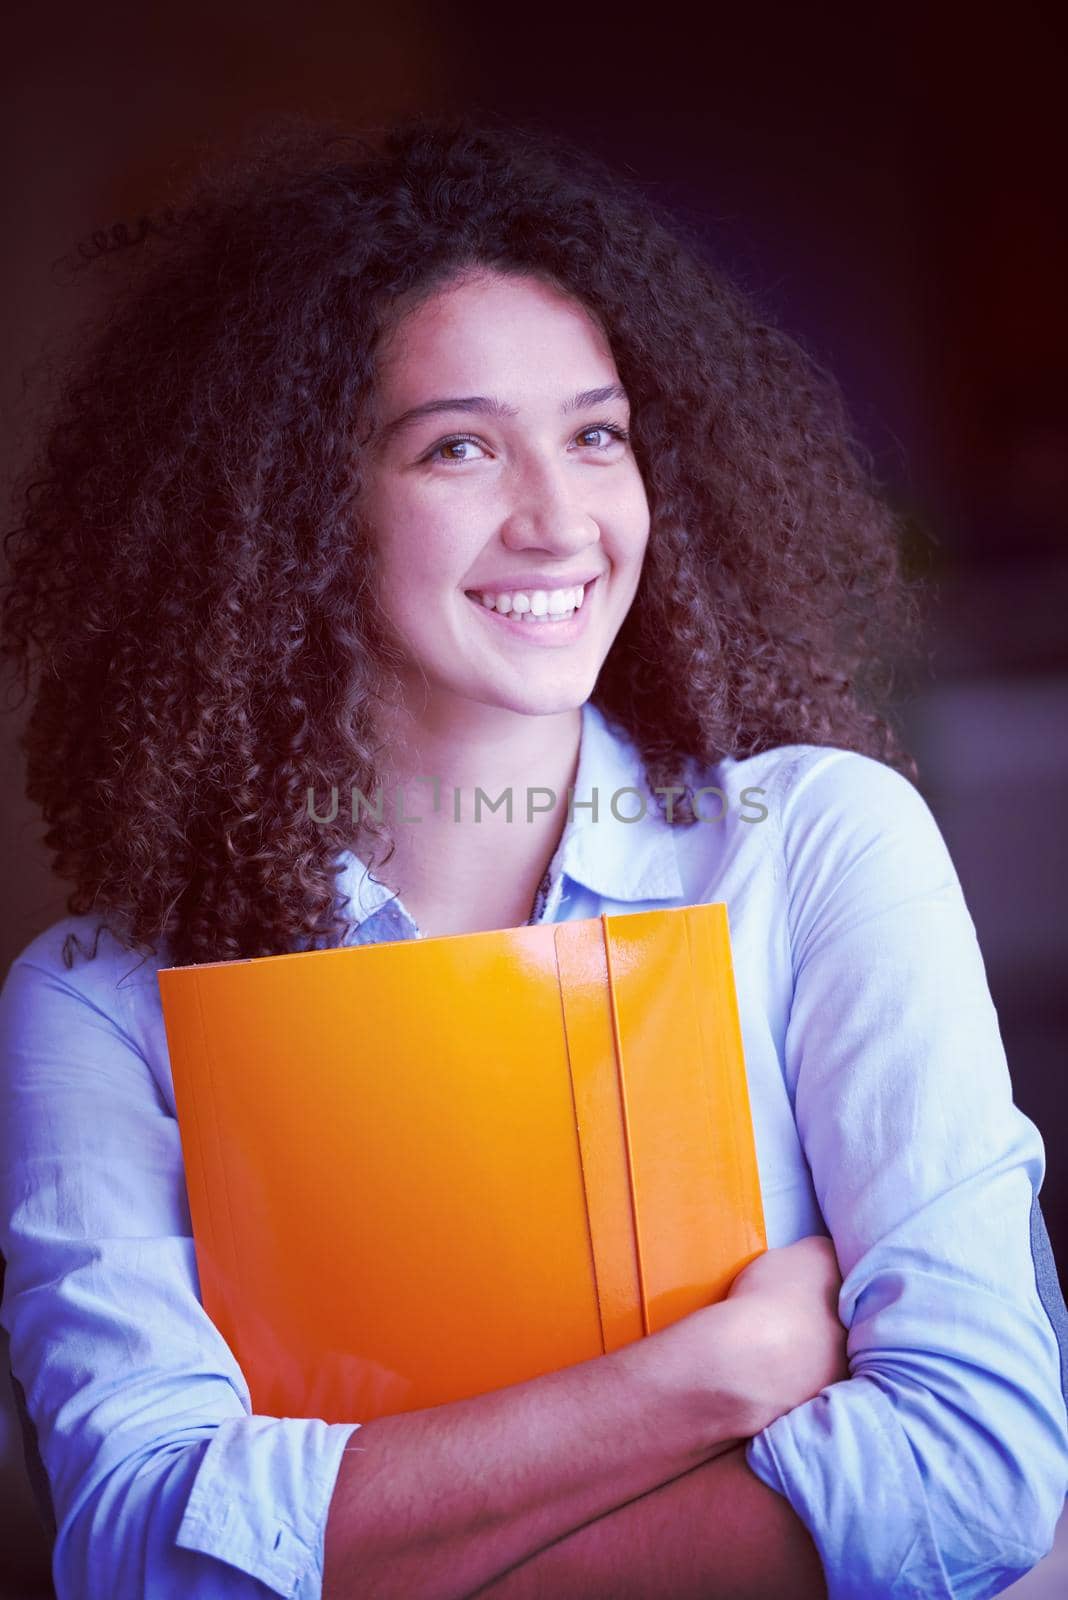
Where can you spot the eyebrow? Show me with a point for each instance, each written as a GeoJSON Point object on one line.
{"type": "Point", "coordinates": [483, 405]}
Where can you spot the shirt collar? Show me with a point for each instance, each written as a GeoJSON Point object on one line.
{"type": "Point", "coordinates": [617, 860]}
{"type": "Point", "coordinates": [625, 861]}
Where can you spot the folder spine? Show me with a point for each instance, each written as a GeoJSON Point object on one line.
{"type": "Point", "coordinates": [628, 1146]}
{"type": "Point", "coordinates": [585, 1177]}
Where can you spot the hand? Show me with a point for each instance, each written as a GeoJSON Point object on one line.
{"type": "Point", "coordinates": [790, 1297]}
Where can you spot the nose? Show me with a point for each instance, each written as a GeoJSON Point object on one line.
{"type": "Point", "coordinates": [545, 512]}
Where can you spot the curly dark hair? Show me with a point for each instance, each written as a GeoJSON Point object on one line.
{"type": "Point", "coordinates": [189, 581]}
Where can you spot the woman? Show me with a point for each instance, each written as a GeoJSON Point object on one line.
{"type": "Point", "coordinates": [366, 411]}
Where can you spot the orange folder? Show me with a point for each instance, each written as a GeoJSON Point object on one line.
{"type": "Point", "coordinates": [425, 1169]}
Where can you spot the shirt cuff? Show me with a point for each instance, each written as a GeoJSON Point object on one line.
{"type": "Point", "coordinates": [855, 1484]}
{"type": "Point", "coordinates": [261, 1496]}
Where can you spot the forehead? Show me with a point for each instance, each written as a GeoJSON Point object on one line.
{"type": "Point", "coordinates": [494, 332]}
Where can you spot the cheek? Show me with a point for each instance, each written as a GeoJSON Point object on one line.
{"type": "Point", "coordinates": [403, 540]}
{"type": "Point", "coordinates": [423, 570]}
{"type": "Point", "coordinates": [631, 510]}
{"type": "Point", "coordinates": [634, 531]}
{"type": "Point", "coordinates": [435, 536]}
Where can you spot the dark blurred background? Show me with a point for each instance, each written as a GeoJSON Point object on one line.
{"type": "Point", "coordinates": [888, 184]}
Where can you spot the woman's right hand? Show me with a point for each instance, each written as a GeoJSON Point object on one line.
{"type": "Point", "coordinates": [790, 1296]}
{"type": "Point", "coordinates": [776, 1340]}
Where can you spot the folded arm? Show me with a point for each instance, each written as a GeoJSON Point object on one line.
{"type": "Point", "coordinates": [939, 1468]}
{"type": "Point", "coordinates": [715, 1533]}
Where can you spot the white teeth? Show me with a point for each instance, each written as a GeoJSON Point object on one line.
{"type": "Point", "coordinates": [531, 617]}
{"type": "Point", "coordinates": [538, 602]}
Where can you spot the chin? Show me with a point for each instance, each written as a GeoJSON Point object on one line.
{"type": "Point", "coordinates": [533, 701]}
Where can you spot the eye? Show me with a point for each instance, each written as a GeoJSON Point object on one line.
{"type": "Point", "coordinates": [442, 451]}
{"type": "Point", "coordinates": [613, 435]}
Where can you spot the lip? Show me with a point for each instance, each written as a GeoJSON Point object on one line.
{"type": "Point", "coordinates": [545, 634]}
{"type": "Point", "coordinates": [527, 581]}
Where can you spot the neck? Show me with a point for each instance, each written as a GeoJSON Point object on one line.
{"type": "Point", "coordinates": [463, 866]}
{"type": "Point", "coordinates": [487, 747]}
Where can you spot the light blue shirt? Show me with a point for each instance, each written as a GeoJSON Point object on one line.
{"type": "Point", "coordinates": [882, 1111]}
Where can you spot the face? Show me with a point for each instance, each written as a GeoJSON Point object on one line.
{"type": "Point", "coordinates": [501, 471]}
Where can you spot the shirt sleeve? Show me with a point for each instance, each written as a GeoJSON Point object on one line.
{"type": "Point", "coordinates": [162, 1481]}
{"type": "Point", "coordinates": [939, 1467]}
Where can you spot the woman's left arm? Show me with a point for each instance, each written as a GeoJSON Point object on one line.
{"type": "Point", "coordinates": [940, 1466]}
